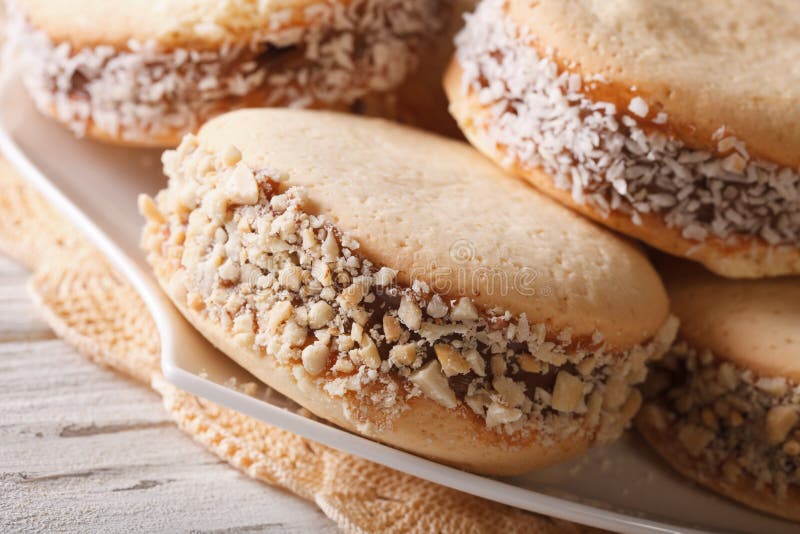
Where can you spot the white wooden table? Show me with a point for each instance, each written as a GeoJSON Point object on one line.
{"type": "Point", "coordinates": [83, 449]}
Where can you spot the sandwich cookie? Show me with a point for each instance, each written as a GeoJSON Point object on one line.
{"type": "Point", "coordinates": [145, 73]}
{"type": "Point", "coordinates": [399, 285]}
{"type": "Point", "coordinates": [673, 122]}
{"type": "Point", "coordinates": [723, 407]}
{"type": "Point", "coordinates": [420, 100]}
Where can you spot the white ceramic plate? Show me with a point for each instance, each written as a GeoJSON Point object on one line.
{"type": "Point", "coordinates": [621, 488]}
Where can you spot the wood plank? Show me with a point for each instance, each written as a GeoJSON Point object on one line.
{"type": "Point", "coordinates": [18, 318]}
{"type": "Point", "coordinates": [83, 449]}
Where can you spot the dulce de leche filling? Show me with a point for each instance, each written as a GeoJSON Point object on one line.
{"type": "Point", "coordinates": [618, 159]}
{"type": "Point", "coordinates": [340, 52]}
{"type": "Point", "coordinates": [242, 250]}
{"type": "Point", "coordinates": [734, 423]}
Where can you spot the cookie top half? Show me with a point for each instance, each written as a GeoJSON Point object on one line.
{"type": "Point", "coordinates": [437, 211]}
{"type": "Point", "coordinates": [754, 324]}
{"type": "Point", "coordinates": [732, 64]}
{"type": "Point", "coordinates": [190, 23]}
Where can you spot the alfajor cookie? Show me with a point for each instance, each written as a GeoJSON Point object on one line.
{"type": "Point", "coordinates": [673, 122]}
{"type": "Point", "coordinates": [420, 100]}
{"type": "Point", "coordinates": [145, 73]}
{"type": "Point", "coordinates": [723, 407]}
{"type": "Point", "coordinates": [399, 285]}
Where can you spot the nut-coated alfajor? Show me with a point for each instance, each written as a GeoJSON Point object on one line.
{"type": "Point", "coordinates": [401, 286]}
{"type": "Point", "coordinates": [723, 406]}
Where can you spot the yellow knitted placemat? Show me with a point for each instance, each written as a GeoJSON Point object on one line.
{"type": "Point", "coordinates": [88, 304]}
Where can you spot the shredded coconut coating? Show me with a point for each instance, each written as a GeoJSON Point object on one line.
{"type": "Point", "coordinates": [605, 157]}
{"type": "Point", "coordinates": [292, 286]}
{"type": "Point", "coordinates": [342, 52]}
{"type": "Point", "coordinates": [736, 423]}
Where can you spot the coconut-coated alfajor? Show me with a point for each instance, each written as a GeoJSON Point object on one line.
{"type": "Point", "coordinates": [673, 122]}
{"type": "Point", "coordinates": [144, 72]}
{"type": "Point", "coordinates": [399, 285]}
{"type": "Point", "coordinates": [723, 406]}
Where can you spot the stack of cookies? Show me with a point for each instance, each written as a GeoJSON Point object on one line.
{"type": "Point", "coordinates": [479, 311]}
{"type": "Point", "coordinates": [677, 124]}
